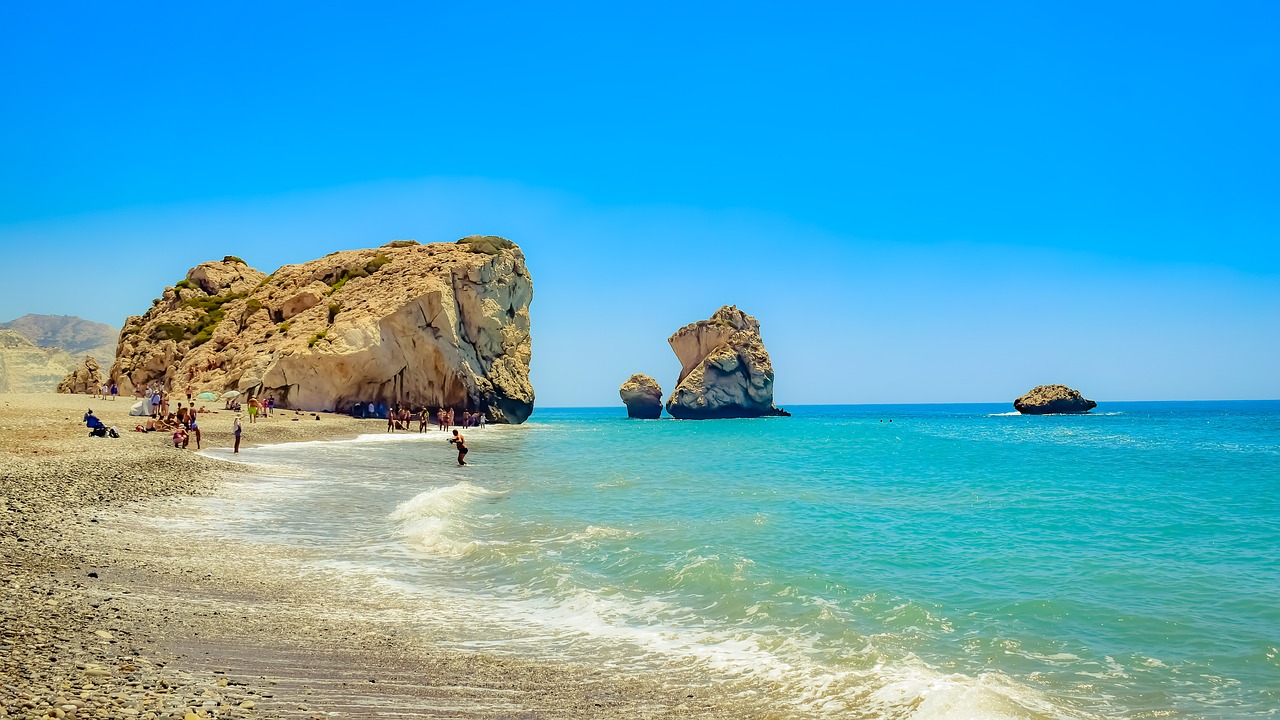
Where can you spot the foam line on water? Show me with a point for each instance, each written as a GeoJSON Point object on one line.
{"type": "Point", "coordinates": [431, 520]}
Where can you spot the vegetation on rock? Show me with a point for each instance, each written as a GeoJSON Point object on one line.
{"type": "Point", "coordinates": [487, 244]}
{"type": "Point", "coordinates": [374, 265]}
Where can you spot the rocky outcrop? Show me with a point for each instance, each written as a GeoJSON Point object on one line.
{"type": "Point", "coordinates": [1053, 400]}
{"type": "Point", "coordinates": [438, 325]}
{"type": "Point", "coordinates": [642, 396]}
{"type": "Point", "coordinates": [28, 368]}
{"type": "Point", "coordinates": [84, 380]}
{"type": "Point", "coordinates": [725, 370]}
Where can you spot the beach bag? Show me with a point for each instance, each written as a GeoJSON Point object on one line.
{"type": "Point", "coordinates": [113, 433]}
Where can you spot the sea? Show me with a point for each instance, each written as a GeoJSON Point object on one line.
{"type": "Point", "coordinates": [890, 561]}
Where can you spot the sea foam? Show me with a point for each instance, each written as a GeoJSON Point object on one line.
{"type": "Point", "coordinates": [430, 520]}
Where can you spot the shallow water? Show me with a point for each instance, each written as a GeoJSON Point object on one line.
{"type": "Point", "coordinates": [860, 561]}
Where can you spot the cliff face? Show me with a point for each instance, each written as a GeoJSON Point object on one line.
{"type": "Point", "coordinates": [27, 368]}
{"type": "Point", "coordinates": [725, 370]}
{"type": "Point", "coordinates": [445, 324]}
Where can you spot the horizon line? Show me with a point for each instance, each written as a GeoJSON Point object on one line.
{"type": "Point", "coordinates": [883, 404]}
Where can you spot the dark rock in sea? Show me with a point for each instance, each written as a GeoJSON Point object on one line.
{"type": "Point", "coordinates": [1053, 400]}
{"type": "Point", "coordinates": [643, 397]}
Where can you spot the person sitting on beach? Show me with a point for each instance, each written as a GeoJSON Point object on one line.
{"type": "Point", "coordinates": [96, 428]}
{"type": "Point", "coordinates": [461, 442]}
{"type": "Point", "coordinates": [180, 438]}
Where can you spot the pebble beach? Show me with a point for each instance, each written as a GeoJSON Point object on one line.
{"type": "Point", "coordinates": [106, 616]}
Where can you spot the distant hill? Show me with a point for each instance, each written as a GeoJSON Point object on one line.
{"type": "Point", "coordinates": [75, 335]}
{"type": "Point", "coordinates": [27, 368]}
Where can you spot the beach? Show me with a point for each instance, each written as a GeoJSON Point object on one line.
{"type": "Point", "coordinates": [106, 616]}
{"type": "Point", "coordinates": [904, 562]}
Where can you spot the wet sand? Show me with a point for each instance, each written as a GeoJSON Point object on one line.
{"type": "Point", "coordinates": [106, 615]}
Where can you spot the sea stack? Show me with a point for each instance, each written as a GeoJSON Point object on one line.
{"type": "Point", "coordinates": [643, 397]}
{"type": "Point", "coordinates": [1053, 400]}
{"type": "Point", "coordinates": [725, 370]}
{"type": "Point", "coordinates": [438, 325]}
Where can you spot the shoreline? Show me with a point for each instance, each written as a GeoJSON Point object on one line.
{"type": "Point", "coordinates": [107, 616]}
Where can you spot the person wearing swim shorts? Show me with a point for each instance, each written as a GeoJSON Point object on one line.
{"type": "Point", "coordinates": [461, 442]}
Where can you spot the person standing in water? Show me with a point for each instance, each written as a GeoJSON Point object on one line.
{"type": "Point", "coordinates": [462, 446]}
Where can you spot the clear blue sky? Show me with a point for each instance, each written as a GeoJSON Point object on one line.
{"type": "Point", "coordinates": [920, 201]}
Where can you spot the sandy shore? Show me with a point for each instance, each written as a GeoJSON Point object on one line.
{"type": "Point", "coordinates": [108, 616]}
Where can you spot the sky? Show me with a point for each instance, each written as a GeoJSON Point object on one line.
{"type": "Point", "coordinates": [921, 202]}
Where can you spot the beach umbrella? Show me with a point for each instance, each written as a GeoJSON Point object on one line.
{"type": "Point", "coordinates": [206, 396]}
{"type": "Point", "coordinates": [231, 394]}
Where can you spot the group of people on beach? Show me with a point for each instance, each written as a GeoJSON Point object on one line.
{"type": "Point", "coordinates": [265, 408]}
{"type": "Point", "coordinates": [402, 418]}
{"type": "Point", "coordinates": [184, 424]}
{"type": "Point", "coordinates": [108, 390]}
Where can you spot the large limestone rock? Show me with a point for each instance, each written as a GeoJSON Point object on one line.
{"type": "Point", "coordinates": [85, 379]}
{"type": "Point", "coordinates": [231, 274]}
{"type": "Point", "coordinates": [725, 370]}
{"type": "Point", "coordinates": [28, 368]}
{"type": "Point", "coordinates": [642, 396]}
{"type": "Point", "coordinates": [444, 324]}
{"type": "Point", "coordinates": [1052, 400]}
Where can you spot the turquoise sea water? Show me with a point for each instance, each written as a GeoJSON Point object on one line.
{"type": "Point", "coordinates": [862, 561]}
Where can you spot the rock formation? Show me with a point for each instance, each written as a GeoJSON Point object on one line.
{"type": "Point", "coordinates": [1052, 399]}
{"type": "Point", "coordinates": [643, 397]}
{"type": "Point", "coordinates": [725, 370]}
{"type": "Point", "coordinates": [85, 379]}
{"type": "Point", "coordinates": [445, 324]}
{"type": "Point", "coordinates": [27, 368]}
